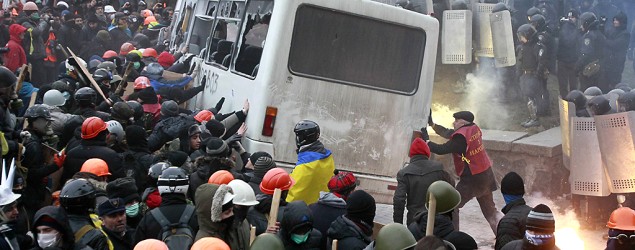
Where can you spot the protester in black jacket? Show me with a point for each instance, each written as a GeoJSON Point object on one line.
{"type": "Point", "coordinates": [112, 213]}
{"type": "Point", "coordinates": [354, 230]}
{"type": "Point", "coordinates": [50, 220]}
{"type": "Point", "coordinates": [332, 205]}
{"type": "Point", "coordinates": [512, 226]}
{"type": "Point", "coordinates": [296, 228]}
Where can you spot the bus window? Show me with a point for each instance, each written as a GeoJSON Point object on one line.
{"type": "Point", "coordinates": [253, 36]}
{"type": "Point", "coordinates": [225, 31]}
{"type": "Point", "coordinates": [200, 31]}
{"type": "Point", "coordinates": [349, 49]}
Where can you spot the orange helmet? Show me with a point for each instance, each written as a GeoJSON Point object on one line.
{"type": "Point", "coordinates": [56, 198]}
{"type": "Point", "coordinates": [149, 19]}
{"type": "Point", "coordinates": [146, 13]}
{"type": "Point", "coordinates": [221, 177]}
{"type": "Point", "coordinates": [109, 54]}
{"type": "Point", "coordinates": [622, 218]}
{"type": "Point", "coordinates": [150, 52]}
{"type": "Point", "coordinates": [126, 48]}
{"type": "Point", "coordinates": [30, 6]}
{"type": "Point", "coordinates": [210, 243]}
{"type": "Point", "coordinates": [95, 166]}
{"type": "Point", "coordinates": [141, 82]}
{"type": "Point", "coordinates": [92, 127]}
{"type": "Point", "coordinates": [151, 244]}
{"type": "Point", "coordinates": [204, 115]}
{"type": "Point", "coordinates": [276, 178]}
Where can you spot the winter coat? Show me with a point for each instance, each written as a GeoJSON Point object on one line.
{"type": "Point", "coordinates": [254, 183]}
{"type": "Point", "coordinates": [298, 214]}
{"type": "Point", "coordinates": [442, 225]}
{"type": "Point", "coordinates": [617, 40]}
{"type": "Point", "coordinates": [16, 57]}
{"type": "Point", "coordinates": [568, 40]}
{"type": "Point", "coordinates": [348, 234]}
{"type": "Point", "coordinates": [59, 119]}
{"type": "Point", "coordinates": [592, 46]}
{"type": "Point", "coordinates": [169, 128]}
{"type": "Point", "coordinates": [33, 159]}
{"type": "Point", "coordinates": [512, 225]}
{"type": "Point", "coordinates": [120, 242]}
{"type": "Point", "coordinates": [8, 238]}
{"type": "Point", "coordinates": [205, 167]}
{"type": "Point", "coordinates": [329, 207]}
{"type": "Point", "coordinates": [95, 47]}
{"type": "Point", "coordinates": [33, 42]}
{"type": "Point", "coordinates": [94, 148]}
{"type": "Point", "coordinates": [172, 206]}
{"type": "Point", "coordinates": [209, 209]}
{"type": "Point", "coordinates": [258, 215]}
{"type": "Point", "coordinates": [312, 173]}
{"type": "Point", "coordinates": [524, 245]}
{"type": "Point", "coordinates": [93, 238]}
{"type": "Point", "coordinates": [59, 216]}
{"type": "Point", "coordinates": [413, 181]}
{"type": "Point", "coordinates": [119, 36]}
{"type": "Point", "coordinates": [69, 35]}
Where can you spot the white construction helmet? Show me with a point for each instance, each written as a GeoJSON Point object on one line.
{"type": "Point", "coordinates": [6, 188]}
{"type": "Point", "coordinates": [243, 193]}
{"type": "Point", "coordinates": [109, 9]}
{"type": "Point", "coordinates": [70, 67]}
{"type": "Point", "coordinates": [54, 98]}
{"type": "Point", "coordinates": [114, 127]}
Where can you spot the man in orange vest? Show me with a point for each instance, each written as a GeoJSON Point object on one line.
{"type": "Point", "coordinates": [471, 162]}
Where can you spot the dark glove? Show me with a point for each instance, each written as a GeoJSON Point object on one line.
{"type": "Point", "coordinates": [430, 122]}
{"type": "Point", "coordinates": [233, 139]}
{"type": "Point", "coordinates": [424, 134]}
{"type": "Point", "coordinates": [192, 68]}
{"type": "Point", "coordinates": [219, 105]}
{"type": "Point", "coordinates": [203, 82]}
{"type": "Point", "coordinates": [16, 104]}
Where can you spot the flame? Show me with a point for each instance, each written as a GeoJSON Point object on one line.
{"type": "Point", "coordinates": [568, 238]}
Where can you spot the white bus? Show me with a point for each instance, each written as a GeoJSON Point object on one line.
{"type": "Point", "coordinates": [362, 70]}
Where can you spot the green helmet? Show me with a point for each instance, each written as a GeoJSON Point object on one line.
{"type": "Point", "coordinates": [394, 236]}
{"type": "Point", "coordinates": [267, 241]}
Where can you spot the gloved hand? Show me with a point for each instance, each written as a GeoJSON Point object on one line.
{"type": "Point", "coordinates": [430, 122]}
{"type": "Point", "coordinates": [233, 139]}
{"type": "Point", "coordinates": [203, 82]}
{"type": "Point", "coordinates": [219, 104]}
{"type": "Point", "coordinates": [60, 158]}
{"type": "Point", "coordinates": [16, 104]}
{"type": "Point", "coordinates": [238, 147]}
{"type": "Point", "coordinates": [424, 134]}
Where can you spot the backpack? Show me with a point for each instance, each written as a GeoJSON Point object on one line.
{"type": "Point", "coordinates": [133, 168]}
{"type": "Point", "coordinates": [176, 235]}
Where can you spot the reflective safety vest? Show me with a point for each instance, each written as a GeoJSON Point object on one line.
{"type": "Point", "coordinates": [474, 155]}
{"type": "Point", "coordinates": [50, 54]}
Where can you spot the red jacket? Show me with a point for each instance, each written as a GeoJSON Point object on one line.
{"type": "Point", "coordinates": [16, 57]}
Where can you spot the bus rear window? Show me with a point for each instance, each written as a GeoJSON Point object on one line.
{"type": "Point", "coordinates": [355, 50]}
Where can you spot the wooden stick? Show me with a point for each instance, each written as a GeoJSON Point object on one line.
{"type": "Point", "coordinates": [31, 103]}
{"type": "Point", "coordinates": [252, 235]}
{"type": "Point", "coordinates": [275, 204]}
{"type": "Point", "coordinates": [334, 245]}
{"type": "Point", "coordinates": [84, 71]}
{"type": "Point", "coordinates": [124, 80]}
{"type": "Point", "coordinates": [20, 79]}
{"type": "Point", "coordinates": [432, 211]}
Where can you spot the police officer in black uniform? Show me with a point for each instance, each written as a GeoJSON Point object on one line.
{"type": "Point", "coordinates": [592, 45]}
{"type": "Point", "coordinates": [531, 67]}
{"type": "Point", "coordinates": [567, 54]}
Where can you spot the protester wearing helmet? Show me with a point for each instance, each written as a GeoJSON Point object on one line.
{"type": "Point", "coordinates": [621, 226]}
{"type": "Point", "coordinates": [267, 241]}
{"type": "Point", "coordinates": [87, 100]}
{"type": "Point", "coordinates": [333, 204]}
{"type": "Point", "coordinates": [151, 196]}
{"type": "Point", "coordinates": [98, 167]}
{"type": "Point", "coordinates": [592, 45]}
{"type": "Point", "coordinates": [244, 199]}
{"type": "Point", "coordinates": [216, 218]}
{"type": "Point", "coordinates": [115, 138]}
{"type": "Point", "coordinates": [34, 44]}
{"type": "Point", "coordinates": [274, 178]}
{"type": "Point", "coordinates": [122, 113]}
{"type": "Point", "coordinates": [78, 200]}
{"type": "Point", "coordinates": [93, 145]}
{"type": "Point", "coordinates": [38, 132]}
{"type": "Point", "coordinates": [311, 172]}
{"type": "Point", "coordinates": [173, 186]}
{"type": "Point", "coordinates": [221, 177]}
{"type": "Point", "coordinates": [393, 236]}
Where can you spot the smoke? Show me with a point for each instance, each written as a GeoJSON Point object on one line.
{"type": "Point", "coordinates": [483, 94]}
{"type": "Point", "coordinates": [569, 234]}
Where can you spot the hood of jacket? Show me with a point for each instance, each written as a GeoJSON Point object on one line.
{"type": "Point", "coordinates": [442, 225]}
{"type": "Point", "coordinates": [296, 214]}
{"type": "Point", "coordinates": [54, 215]}
{"type": "Point", "coordinates": [343, 227]}
{"type": "Point", "coordinates": [14, 32]}
{"type": "Point", "coordinates": [204, 199]}
{"type": "Point", "coordinates": [331, 200]}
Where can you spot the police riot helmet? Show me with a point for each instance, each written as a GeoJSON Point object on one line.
{"type": "Point", "coordinates": [154, 69]}
{"type": "Point", "coordinates": [78, 196]}
{"type": "Point", "coordinates": [306, 132]}
{"type": "Point", "coordinates": [173, 180]}
{"type": "Point", "coordinates": [54, 98]}
{"type": "Point", "coordinates": [626, 102]}
{"type": "Point", "coordinates": [7, 78]}
{"type": "Point", "coordinates": [588, 21]}
{"type": "Point", "coordinates": [38, 111]}
{"type": "Point", "coordinates": [459, 5]}
{"type": "Point", "coordinates": [137, 108]}
{"type": "Point", "coordinates": [86, 94]}
{"type": "Point", "coordinates": [157, 169]}
{"type": "Point", "coordinates": [623, 86]}
{"type": "Point", "coordinates": [599, 105]}
{"type": "Point", "coordinates": [577, 98]}
{"type": "Point", "coordinates": [499, 7]}
{"type": "Point", "coordinates": [60, 85]}
{"type": "Point", "coordinates": [538, 21]}
{"type": "Point", "coordinates": [527, 31]}
{"type": "Point", "coordinates": [101, 75]}
{"type": "Point", "coordinates": [533, 11]}
{"type": "Point", "coordinates": [593, 91]}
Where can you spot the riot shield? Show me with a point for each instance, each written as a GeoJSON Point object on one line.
{"type": "Point", "coordinates": [588, 173]}
{"type": "Point", "coordinates": [456, 37]}
{"type": "Point", "coordinates": [482, 30]}
{"type": "Point", "coordinates": [503, 39]}
{"type": "Point", "coordinates": [617, 146]}
{"type": "Point", "coordinates": [567, 110]}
